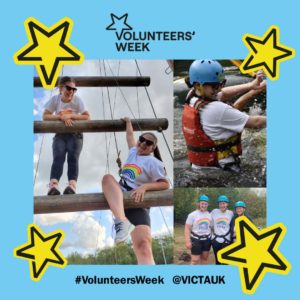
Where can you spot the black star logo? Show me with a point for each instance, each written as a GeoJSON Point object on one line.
{"type": "Point", "coordinates": [119, 23]}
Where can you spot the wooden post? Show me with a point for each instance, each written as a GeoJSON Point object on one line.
{"type": "Point", "coordinates": [98, 81]}
{"type": "Point", "coordinates": [97, 201]}
{"type": "Point", "coordinates": [99, 126]}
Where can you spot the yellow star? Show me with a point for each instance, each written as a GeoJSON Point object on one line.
{"type": "Point", "coordinates": [48, 49]}
{"type": "Point", "coordinates": [255, 252]}
{"type": "Point", "coordinates": [265, 53]}
{"type": "Point", "coordinates": [41, 251]}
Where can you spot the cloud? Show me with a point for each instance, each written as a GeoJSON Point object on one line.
{"type": "Point", "coordinates": [83, 233]}
{"type": "Point", "coordinates": [163, 214]}
{"type": "Point", "coordinates": [88, 233]}
{"type": "Point", "coordinates": [109, 218]}
{"type": "Point", "coordinates": [163, 230]}
{"type": "Point", "coordinates": [169, 209]}
{"type": "Point", "coordinates": [109, 242]}
{"type": "Point", "coordinates": [53, 219]}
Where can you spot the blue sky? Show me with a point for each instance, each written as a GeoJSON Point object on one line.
{"type": "Point", "coordinates": [88, 231]}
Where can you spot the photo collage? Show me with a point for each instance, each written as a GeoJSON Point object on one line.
{"type": "Point", "coordinates": [150, 161]}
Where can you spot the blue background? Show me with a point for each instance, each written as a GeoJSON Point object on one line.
{"type": "Point", "coordinates": [219, 29]}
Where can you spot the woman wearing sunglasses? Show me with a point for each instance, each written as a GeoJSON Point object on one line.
{"type": "Point", "coordinates": [141, 172]}
{"type": "Point", "coordinates": [212, 128]}
{"type": "Point", "coordinates": [65, 107]}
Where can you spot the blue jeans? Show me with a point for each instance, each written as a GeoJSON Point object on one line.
{"type": "Point", "coordinates": [63, 144]}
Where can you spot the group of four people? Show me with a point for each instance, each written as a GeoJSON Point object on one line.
{"type": "Point", "coordinates": [204, 229]}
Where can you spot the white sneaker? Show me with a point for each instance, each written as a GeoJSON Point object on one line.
{"type": "Point", "coordinates": [123, 230]}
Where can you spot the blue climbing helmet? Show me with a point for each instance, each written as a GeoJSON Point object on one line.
{"type": "Point", "coordinates": [203, 198]}
{"type": "Point", "coordinates": [206, 71]}
{"type": "Point", "coordinates": [223, 198]}
{"type": "Point", "coordinates": [239, 204]}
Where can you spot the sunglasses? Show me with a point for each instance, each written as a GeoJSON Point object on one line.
{"type": "Point", "coordinates": [148, 142]}
{"type": "Point", "coordinates": [69, 88]}
{"type": "Point", "coordinates": [217, 85]}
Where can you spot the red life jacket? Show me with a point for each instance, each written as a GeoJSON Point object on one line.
{"type": "Point", "coordinates": [202, 150]}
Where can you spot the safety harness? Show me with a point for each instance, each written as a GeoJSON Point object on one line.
{"type": "Point", "coordinates": [204, 237]}
{"type": "Point", "coordinates": [202, 150]}
{"type": "Point", "coordinates": [224, 236]}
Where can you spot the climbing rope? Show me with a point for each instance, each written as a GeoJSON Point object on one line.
{"type": "Point", "coordinates": [38, 162]}
{"type": "Point", "coordinates": [107, 168]}
{"type": "Point", "coordinates": [114, 106]}
{"type": "Point", "coordinates": [160, 241]}
{"type": "Point", "coordinates": [137, 97]}
{"type": "Point", "coordinates": [124, 98]}
{"type": "Point", "coordinates": [169, 231]}
{"type": "Point", "coordinates": [97, 239]}
{"type": "Point", "coordinates": [151, 104]}
{"type": "Point", "coordinates": [115, 138]}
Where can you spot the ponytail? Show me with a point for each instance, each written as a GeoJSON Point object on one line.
{"type": "Point", "coordinates": [156, 153]}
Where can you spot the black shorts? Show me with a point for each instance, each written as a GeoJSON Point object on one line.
{"type": "Point", "coordinates": [138, 216]}
{"type": "Point", "coordinates": [199, 246]}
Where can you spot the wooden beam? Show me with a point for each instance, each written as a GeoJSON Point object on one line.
{"type": "Point", "coordinates": [99, 126]}
{"type": "Point", "coordinates": [98, 81]}
{"type": "Point", "coordinates": [97, 201]}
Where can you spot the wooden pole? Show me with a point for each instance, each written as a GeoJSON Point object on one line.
{"type": "Point", "coordinates": [97, 201]}
{"type": "Point", "coordinates": [98, 81]}
{"type": "Point", "coordinates": [99, 126]}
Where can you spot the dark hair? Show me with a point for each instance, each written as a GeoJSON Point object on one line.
{"type": "Point", "coordinates": [64, 80]}
{"type": "Point", "coordinates": [156, 153]}
{"type": "Point", "coordinates": [187, 81]}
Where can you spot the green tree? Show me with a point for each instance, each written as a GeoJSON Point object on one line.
{"type": "Point", "coordinates": [123, 254]}
{"type": "Point", "coordinates": [185, 200]}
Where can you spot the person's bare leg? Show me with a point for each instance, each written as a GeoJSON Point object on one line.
{"type": "Point", "coordinates": [195, 260]}
{"type": "Point", "coordinates": [142, 244]}
{"type": "Point", "coordinates": [204, 257]}
{"type": "Point", "coordinates": [114, 196]}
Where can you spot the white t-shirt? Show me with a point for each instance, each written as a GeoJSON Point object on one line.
{"type": "Point", "coordinates": [221, 223]}
{"type": "Point", "coordinates": [55, 104]}
{"type": "Point", "coordinates": [200, 221]}
{"type": "Point", "coordinates": [141, 169]}
{"type": "Point", "coordinates": [220, 120]}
